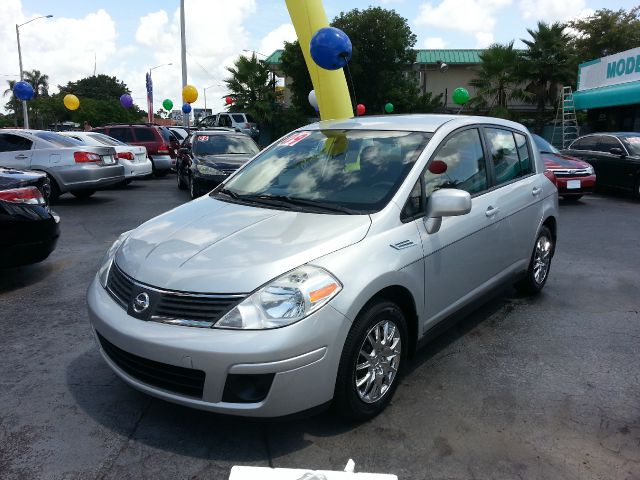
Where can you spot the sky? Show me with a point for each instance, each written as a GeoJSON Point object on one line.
{"type": "Point", "coordinates": [127, 38]}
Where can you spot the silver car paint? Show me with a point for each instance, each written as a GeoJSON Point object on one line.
{"type": "Point", "coordinates": [235, 248]}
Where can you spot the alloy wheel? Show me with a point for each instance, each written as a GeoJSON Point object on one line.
{"type": "Point", "coordinates": [378, 361]}
{"type": "Point", "coordinates": [542, 259]}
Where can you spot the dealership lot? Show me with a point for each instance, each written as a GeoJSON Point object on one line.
{"type": "Point", "coordinates": [547, 387]}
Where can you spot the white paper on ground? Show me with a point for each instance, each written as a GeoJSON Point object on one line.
{"type": "Point", "coordinates": [265, 473]}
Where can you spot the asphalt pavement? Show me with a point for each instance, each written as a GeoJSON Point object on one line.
{"type": "Point", "coordinates": [529, 388]}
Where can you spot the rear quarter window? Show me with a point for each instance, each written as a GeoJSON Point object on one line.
{"type": "Point", "coordinates": [584, 143]}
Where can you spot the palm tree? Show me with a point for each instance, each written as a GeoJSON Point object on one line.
{"type": "Point", "coordinates": [12, 104]}
{"type": "Point", "coordinates": [498, 80]}
{"type": "Point", "coordinates": [38, 81]}
{"type": "Point", "coordinates": [252, 88]}
{"type": "Point", "coordinates": [546, 65]}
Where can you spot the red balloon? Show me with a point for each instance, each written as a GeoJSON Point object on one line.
{"type": "Point", "coordinates": [228, 99]}
{"type": "Point", "coordinates": [360, 109]}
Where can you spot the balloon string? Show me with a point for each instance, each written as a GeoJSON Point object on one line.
{"type": "Point", "coordinates": [354, 102]}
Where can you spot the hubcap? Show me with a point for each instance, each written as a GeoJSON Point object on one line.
{"type": "Point", "coordinates": [542, 259]}
{"type": "Point", "coordinates": [378, 361]}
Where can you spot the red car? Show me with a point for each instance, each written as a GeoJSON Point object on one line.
{"type": "Point", "coordinates": [573, 177]}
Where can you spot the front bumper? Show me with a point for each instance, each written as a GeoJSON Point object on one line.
{"type": "Point", "coordinates": [87, 177]}
{"type": "Point", "coordinates": [303, 357]}
{"type": "Point", "coordinates": [28, 241]}
{"type": "Point", "coordinates": [136, 169]}
{"type": "Point", "coordinates": [587, 185]}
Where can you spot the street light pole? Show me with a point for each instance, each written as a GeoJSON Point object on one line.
{"type": "Point", "coordinates": [25, 113]}
{"type": "Point", "coordinates": [183, 57]}
{"type": "Point", "coordinates": [150, 93]}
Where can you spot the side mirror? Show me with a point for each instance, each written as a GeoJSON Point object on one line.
{"type": "Point", "coordinates": [617, 151]}
{"type": "Point", "coordinates": [447, 202]}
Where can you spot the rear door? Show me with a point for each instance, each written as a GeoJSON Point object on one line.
{"type": "Point", "coordinates": [15, 151]}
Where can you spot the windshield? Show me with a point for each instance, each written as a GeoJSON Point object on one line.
{"type": "Point", "coordinates": [58, 140]}
{"type": "Point", "coordinates": [106, 140]}
{"type": "Point", "coordinates": [224, 145]}
{"type": "Point", "coordinates": [358, 170]}
{"type": "Point", "coordinates": [543, 145]}
{"type": "Point", "coordinates": [632, 142]}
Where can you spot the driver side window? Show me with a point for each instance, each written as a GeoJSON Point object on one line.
{"type": "Point", "coordinates": [459, 163]}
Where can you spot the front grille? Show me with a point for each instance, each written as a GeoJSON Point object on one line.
{"type": "Point", "coordinates": [172, 307]}
{"type": "Point", "coordinates": [582, 172]}
{"type": "Point", "coordinates": [185, 381]}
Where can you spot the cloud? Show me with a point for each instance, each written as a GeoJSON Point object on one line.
{"type": "Point", "coordinates": [484, 39]}
{"type": "Point", "coordinates": [275, 39]}
{"type": "Point", "coordinates": [434, 43]}
{"type": "Point", "coordinates": [468, 16]}
{"type": "Point", "coordinates": [551, 10]}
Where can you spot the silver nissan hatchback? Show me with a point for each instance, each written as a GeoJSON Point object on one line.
{"type": "Point", "coordinates": [313, 273]}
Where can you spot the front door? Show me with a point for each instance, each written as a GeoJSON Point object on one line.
{"type": "Point", "coordinates": [15, 151]}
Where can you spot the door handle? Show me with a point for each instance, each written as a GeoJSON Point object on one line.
{"type": "Point", "coordinates": [536, 191]}
{"type": "Point", "coordinates": [491, 212]}
{"type": "Point", "coordinates": [21, 156]}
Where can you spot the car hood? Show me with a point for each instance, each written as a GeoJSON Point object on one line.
{"type": "Point", "coordinates": [554, 160]}
{"type": "Point", "coordinates": [230, 161]}
{"type": "Point", "coordinates": [213, 246]}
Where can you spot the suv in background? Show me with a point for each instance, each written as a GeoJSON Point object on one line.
{"type": "Point", "coordinates": [238, 121]}
{"type": "Point", "coordinates": [156, 139]}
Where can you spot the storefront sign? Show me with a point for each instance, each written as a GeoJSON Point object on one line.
{"type": "Point", "coordinates": [615, 69]}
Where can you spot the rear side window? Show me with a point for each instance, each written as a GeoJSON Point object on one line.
{"type": "Point", "coordinates": [123, 134]}
{"type": "Point", "coordinates": [506, 162]}
{"type": "Point", "coordinates": [145, 135]}
{"type": "Point", "coordinates": [465, 165]}
{"type": "Point", "coordinates": [238, 117]}
{"type": "Point", "coordinates": [58, 140]}
{"type": "Point", "coordinates": [14, 143]}
{"type": "Point", "coordinates": [605, 144]}
{"type": "Point", "coordinates": [584, 143]}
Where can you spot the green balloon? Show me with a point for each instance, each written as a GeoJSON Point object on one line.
{"type": "Point", "coordinates": [388, 107]}
{"type": "Point", "coordinates": [167, 104]}
{"type": "Point", "coordinates": [460, 96]}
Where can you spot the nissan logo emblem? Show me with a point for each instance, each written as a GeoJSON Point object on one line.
{"type": "Point", "coordinates": [141, 302]}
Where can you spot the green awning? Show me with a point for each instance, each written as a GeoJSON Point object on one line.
{"type": "Point", "coordinates": [614, 95]}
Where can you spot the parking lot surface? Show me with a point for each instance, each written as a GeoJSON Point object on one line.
{"type": "Point", "coordinates": [529, 388]}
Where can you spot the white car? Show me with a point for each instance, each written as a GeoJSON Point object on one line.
{"type": "Point", "coordinates": [134, 158]}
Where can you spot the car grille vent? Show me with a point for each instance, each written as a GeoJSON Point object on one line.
{"type": "Point", "coordinates": [579, 172]}
{"type": "Point", "coordinates": [172, 307]}
{"type": "Point", "coordinates": [185, 381]}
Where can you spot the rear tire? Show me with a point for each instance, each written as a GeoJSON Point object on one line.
{"type": "Point", "coordinates": [540, 264]}
{"type": "Point", "coordinates": [83, 193]}
{"type": "Point", "coordinates": [372, 358]}
{"type": "Point", "coordinates": [54, 195]}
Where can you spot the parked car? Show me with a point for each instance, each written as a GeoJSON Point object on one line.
{"type": "Point", "coordinates": [132, 157]}
{"type": "Point", "coordinates": [615, 156]}
{"type": "Point", "coordinates": [154, 138]}
{"type": "Point", "coordinates": [29, 228]}
{"type": "Point", "coordinates": [314, 272]}
{"type": "Point", "coordinates": [71, 166]}
{"type": "Point", "coordinates": [208, 157]}
{"type": "Point", "coordinates": [181, 132]}
{"type": "Point", "coordinates": [574, 178]}
{"type": "Point", "coordinates": [241, 122]}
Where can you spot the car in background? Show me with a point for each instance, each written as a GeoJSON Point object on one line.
{"type": "Point", "coordinates": [239, 121]}
{"type": "Point", "coordinates": [182, 133]}
{"type": "Point", "coordinates": [156, 139]}
{"type": "Point", "coordinates": [573, 177]}
{"type": "Point", "coordinates": [30, 230]}
{"type": "Point", "coordinates": [615, 156]}
{"type": "Point", "coordinates": [71, 165]}
{"type": "Point", "coordinates": [208, 157]}
{"type": "Point", "coordinates": [313, 273]}
{"type": "Point", "coordinates": [132, 157]}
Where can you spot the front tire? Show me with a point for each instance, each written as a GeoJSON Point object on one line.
{"type": "Point", "coordinates": [193, 191]}
{"type": "Point", "coordinates": [540, 264]}
{"type": "Point", "coordinates": [372, 357]}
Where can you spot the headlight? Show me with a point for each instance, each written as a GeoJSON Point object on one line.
{"type": "Point", "coordinates": [590, 170]}
{"type": "Point", "coordinates": [107, 260]}
{"type": "Point", "coordinates": [286, 300]}
{"type": "Point", "coordinates": [206, 170]}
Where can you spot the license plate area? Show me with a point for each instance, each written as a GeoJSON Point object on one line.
{"type": "Point", "coordinates": [572, 184]}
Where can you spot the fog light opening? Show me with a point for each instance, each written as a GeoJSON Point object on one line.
{"type": "Point", "coordinates": [240, 388]}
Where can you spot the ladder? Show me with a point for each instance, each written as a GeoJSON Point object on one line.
{"type": "Point", "coordinates": [566, 120]}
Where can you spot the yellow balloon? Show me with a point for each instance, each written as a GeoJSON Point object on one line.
{"type": "Point", "coordinates": [71, 102]}
{"type": "Point", "coordinates": [330, 85]}
{"type": "Point", "coordinates": [189, 93]}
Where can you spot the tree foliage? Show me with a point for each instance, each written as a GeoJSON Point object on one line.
{"type": "Point", "coordinates": [605, 32]}
{"type": "Point", "coordinates": [252, 88]}
{"type": "Point", "coordinates": [96, 87]}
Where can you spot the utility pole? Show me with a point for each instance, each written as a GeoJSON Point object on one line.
{"type": "Point", "coordinates": [183, 54]}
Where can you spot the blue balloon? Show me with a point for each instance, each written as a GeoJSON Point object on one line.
{"type": "Point", "coordinates": [23, 90]}
{"type": "Point", "coordinates": [330, 48]}
{"type": "Point", "coordinates": [186, 108]}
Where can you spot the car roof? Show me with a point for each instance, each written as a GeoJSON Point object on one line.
{"type": "Point", "coordinates": [414, 122]}
{"type": "Point", "coordinates": [219, 132]}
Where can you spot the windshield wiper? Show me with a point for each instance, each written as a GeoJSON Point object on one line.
{"type": "Point", "coordinates": [229, 193]}
{"type": "Point", "coordinates": [310, 203]}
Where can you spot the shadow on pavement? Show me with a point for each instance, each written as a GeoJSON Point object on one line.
{"type": "Point", "coordinates": [19, 277]}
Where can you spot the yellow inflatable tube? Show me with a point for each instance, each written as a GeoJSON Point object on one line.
{"type": "Point", "coordinates": [334, 101]}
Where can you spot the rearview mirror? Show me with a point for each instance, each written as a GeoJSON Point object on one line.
{"type": "Point", "coordinates": [616, 151]}
{"type": "Point", "coordinates": [447, 202]}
